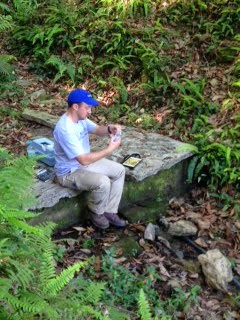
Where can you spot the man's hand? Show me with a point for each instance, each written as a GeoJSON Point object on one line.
{"type": "Point", "coordinates": [114, 128]}
{"type": "Point", "coordinates": [114, 143]}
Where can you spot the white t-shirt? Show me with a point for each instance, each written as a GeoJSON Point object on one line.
{"type": "Point", "coordinates": [70, 140]}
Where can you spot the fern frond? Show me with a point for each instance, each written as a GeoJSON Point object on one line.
{"type": "Point", "coordinates": [3, 244]}
{"type": "Point", "coordinates": [7, 57]}
{"type": "Point", "coordinates": [16, 179]}
{"type": "Point", "coordinates": [71, 71]}
{"type": "Point", "coordinates": [143, 306]}
{"type": "Point", "coordinates": [58, 283]}
{"type": "Point", "coordinates": [191, 168]}
{"type": "Point", "coordinates": [29, 304]}
{"type": "Point", "coordinates": [47, 229]}
{"type": "Point", "coordinates": [4, 7]}
{"type": "Point", "coordinates": [20, 276]}
{"type": "Point", "coordinates": [6, 23]}
{"type": "Point", "coordinates": [25, 226]}
{"type": "Point", "coordinates": [89, 311]}
{"type": "Point", "coordinates": [57, 62]}
{"type": "Point", "coordinates": [38, 304]}
{"type": "Point", "coordinates": [4, 155]}
{"type": "Point", "coordinates": [11, 213]}
{"type": "Point", "coordinates": [6, 69]}
{"type": "Point", "coordinates": [115, 314]}
{"type": "Point", "coordinates": [61, 67]}
{"type": "Point", "coordinates": [15, 302]}
{"type": "Point", "coordinates": [5, 284]}
{"type": "Point", "coordinates": [93, 292]}
{"type": "Point", "coordinates": [47, 271]}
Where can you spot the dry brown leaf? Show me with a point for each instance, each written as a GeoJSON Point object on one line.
{"type": "Point", "coordinates": [237, 269]}
{"type": "Point", "coordinates": [156, 258]}
{"type": "Point", "coordinates": [232, 212]}
{"type": "Point", "coordinates": [64, 233]}
{"type": "Point", "coordinates": [119, 251]}
{"type": "Point", "coordinates": [137, 261]}
{"type": "Point", "coordinates": [120, 260]}
{"type": "Point", "coordinates": [182, 210]}
{"type": "Point", "coordinates": [194, 216]}
{"type": "Point", "coordinates": [208, 208]}
{"type": "Point", "coordinates": [163, 271]}
{"type": "Point", "coordinates": [90, 230]}
{"type": "Point", "coordinates": [224, 214]}
{"type": "Point", "coordinates": [143, 244]}
{"type": "Point", "coordinates": [203, 224]}
{"type": "Point", "coordinates": [220, 242]}
{"type": "Point", "coordinates": [111, 239]}
{"type": "Point", "coordinates": [201, 242]}
{"type": "Point", "coordinates": [237, 224]}
{"type": "Point", "coordinates": [138, 227]}
{"type": "Point", "coordinates": [235, 314]}
{"type": "Point", "coordinates": [97, 264]}
{"type": "Point", "coordinates": [212, 304]}
{"type": "Point", "coordinates": [87, 251]}
{"type": "Point", "coordinates": [79, 229]}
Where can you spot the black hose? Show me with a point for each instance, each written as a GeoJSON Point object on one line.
{"type": "Point", "coordinates": [193, 244]}
{"type": "Point", "coordinates": [201, 250]}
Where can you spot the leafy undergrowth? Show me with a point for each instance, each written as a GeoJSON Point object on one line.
{"type": "Point", "coordinates": [175, 287]}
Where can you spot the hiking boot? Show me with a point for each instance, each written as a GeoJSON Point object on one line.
{"type": "Point", "coordinates": [115, 220]}
{"type": "Point", "coordinates": [99, 220]}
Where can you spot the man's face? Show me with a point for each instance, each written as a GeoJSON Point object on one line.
{"type": "Point", "coordinates": [83, 111]}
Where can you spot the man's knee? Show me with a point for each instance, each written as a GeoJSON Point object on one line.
{"type": "Point", "coordinates": [104, 183]}
{"type": "Point", "coordinates": [119, 170]}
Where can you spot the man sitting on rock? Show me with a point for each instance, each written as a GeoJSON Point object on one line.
{"type": "Point", "coordinates": [78, 168]}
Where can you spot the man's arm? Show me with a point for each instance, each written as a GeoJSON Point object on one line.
{"type": "Point", "coordinates": [88, 158]}
{"type": "Point", "coordinates": [104, 130]}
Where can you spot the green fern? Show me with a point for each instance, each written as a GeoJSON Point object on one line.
{"type": "Point", "coordinates": [56, 284]}
{"type": "Point", "coordinates": [6, 68]}
{"type": "Point", "coordinates": [17, 173]}
{"type": "Point", "coordinates": [63, 69]}
{"type": "Point", "coordinates": [143, 306]}
{"type": "Point", "coordinates": [93, 293]}
{"type": "Point", "coordinates": [30, 285]}
{"type": "Point", "coordinates": [6, 21]}
{"type": "Point", "coordinates": [19, 275]}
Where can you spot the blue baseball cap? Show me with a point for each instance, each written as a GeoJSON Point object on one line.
{"type": "Point", "coordinates": [81, 95]}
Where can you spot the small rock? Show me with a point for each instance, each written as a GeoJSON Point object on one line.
{"type": "Point", "coordinates": [182, 228]}
{"type": "Point", "coordinates": [57, 102]}
{"type": "Point", "coordinates": [164, 241]}
{"type": "Point", "coordinates": [164, 222]}
{"type": "Point", "coordinates": [38, 95]}
{"type": "Point", "coordinates": [217, 269]}
{"type": "Point", "coordinates": [214, 82]}
{"type": "Point", "coordinates": [24, 82]}
{"type": "Point", "coordinates": [157, 230]}
{"type": "Point", "coordinates": [173, 283]}
{"type": "Point", "coordinates": [150, 233]}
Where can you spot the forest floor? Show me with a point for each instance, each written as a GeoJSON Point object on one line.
{"type": "Point", "coordinates": [218, 228]}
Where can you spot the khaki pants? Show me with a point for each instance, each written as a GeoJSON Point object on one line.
{"type": "Point", "coordinates": [103, 179]}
